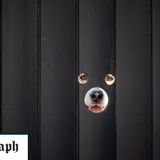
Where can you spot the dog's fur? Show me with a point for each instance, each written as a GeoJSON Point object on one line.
{"type": "Point", "coordinates": [93, 106]}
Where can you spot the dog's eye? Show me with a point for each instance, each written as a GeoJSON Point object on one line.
{"type": "Point", "coordinates": [83, 78]}
{"type": "Point", "coordinates": [110, 79]}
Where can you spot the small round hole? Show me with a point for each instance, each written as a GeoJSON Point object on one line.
{"type": "Point", "coordinates": [96, 100]}
{"type": "Point", "coordinates": [83, 78]}
{"type": "Point", "coordinates": [110, 79]}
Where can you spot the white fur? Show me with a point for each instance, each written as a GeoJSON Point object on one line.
{"type": "Point", "coordinates": [90, 103]}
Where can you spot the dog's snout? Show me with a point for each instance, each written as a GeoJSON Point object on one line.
{"type": "Point", "coordinates": [96, 100]}
{"type": "Point", "coordinates": [96, 96]}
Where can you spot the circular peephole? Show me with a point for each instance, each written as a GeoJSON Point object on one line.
{"type": "Point", "coordinates": [83, 78]}
{"type": "Point", "coordinates": [110, 79]}
{"type": "Point", "coordinates": [96, 100]}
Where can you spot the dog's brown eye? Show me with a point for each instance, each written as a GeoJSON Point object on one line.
{"type": "Point", "coordinates": [110, 79]}
{"type": "Point", "coordinates": [83, 78]}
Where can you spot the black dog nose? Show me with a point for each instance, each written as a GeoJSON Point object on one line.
{"type": "Point", "coordinates": [96, 96]}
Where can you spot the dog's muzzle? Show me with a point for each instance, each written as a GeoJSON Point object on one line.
{"type": "Point", "coordinates": [96, 100]}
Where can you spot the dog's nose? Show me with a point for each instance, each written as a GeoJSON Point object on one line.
{"type": "Point", "coordinates": [96, 100]}
{"type": "Point", "coordinates": [96, 96]}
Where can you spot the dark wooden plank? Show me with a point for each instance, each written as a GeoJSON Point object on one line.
{"type": "Point", "coordinates": [156, 79]}
{"type": "Point", "coordinates": [134, 88]}
{"type": "Point", "coordinates": [97, 134]}
{"type": "Point", "coordinates": [19, 70]}
{"type": "Point", "coordinates": [58, 80]}
{"type": "Point", "coordinates": [1, 65]}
